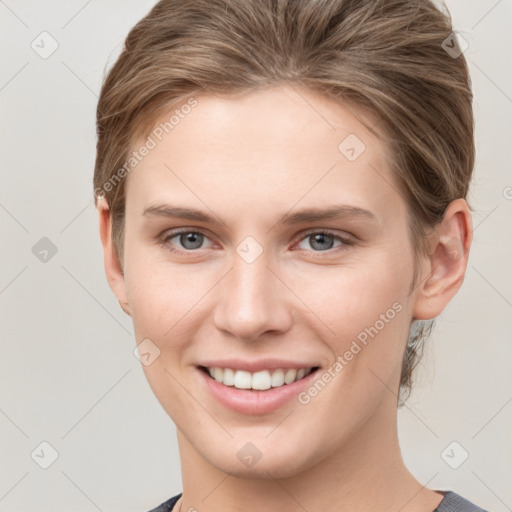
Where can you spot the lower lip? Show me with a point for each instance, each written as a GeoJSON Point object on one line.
{"type": "Point", "coordinates": [255, 402]}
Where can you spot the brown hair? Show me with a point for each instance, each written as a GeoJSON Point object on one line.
{"type": "Point", "coordinates": [390, 57]}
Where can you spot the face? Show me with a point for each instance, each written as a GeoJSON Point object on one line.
{"type": "Point", "coordinates": [258, 284]}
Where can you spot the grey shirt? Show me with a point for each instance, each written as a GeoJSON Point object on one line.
{"type": "Point", "coordinates": [451, 502]}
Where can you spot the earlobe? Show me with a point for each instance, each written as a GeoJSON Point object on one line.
{"type": "Point", "coordinates": [447, 262]}
{"type": "Point", "coordinates": [113, 267]}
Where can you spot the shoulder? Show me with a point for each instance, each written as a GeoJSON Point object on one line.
{"type": "Point", "coordinates": [452, 502]}
{"type": "Point", "coordinates": [168, 505]}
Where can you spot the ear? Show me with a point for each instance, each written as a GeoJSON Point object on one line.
{"type": "Point", "coordinates": [445, 267]}
{"type": "Point", "coordinates": [113, 267]}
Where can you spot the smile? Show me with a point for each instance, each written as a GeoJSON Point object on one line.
{"type": "Point", "coordinates": [258, 381]}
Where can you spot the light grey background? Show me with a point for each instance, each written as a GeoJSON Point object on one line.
{"type": "Point", "coordinates": [68, 375]}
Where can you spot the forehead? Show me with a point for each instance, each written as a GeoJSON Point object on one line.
{"type": "Point", "coordinates": [285, 144]}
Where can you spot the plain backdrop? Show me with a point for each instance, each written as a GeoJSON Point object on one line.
{"type": "Point", "coordinates": [68, 376]}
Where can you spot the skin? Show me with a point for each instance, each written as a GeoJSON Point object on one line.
{"type": "Point", "coordinates": [248, 160]}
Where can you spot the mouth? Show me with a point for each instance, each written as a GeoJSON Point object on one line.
{"type": "Point", "coordinates": [259, 392]}
{"type": "Point", "coordinates": [262, 380]}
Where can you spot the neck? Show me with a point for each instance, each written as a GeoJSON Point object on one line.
{"type": "Point", "coordinates": [367, 473]}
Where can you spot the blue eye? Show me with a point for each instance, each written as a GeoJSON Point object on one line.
{"type": "Point", "coordinates": [191, 241]}
{"type": "Point", "coordinates": [322, 241]}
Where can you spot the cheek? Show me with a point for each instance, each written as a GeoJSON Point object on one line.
{"type": "Point", "coordinates": [159, 292]}
{"type": "Point", "coordinates": [163, 300]}
{"type": "Point", "coordinates": [354, 295]}
{"type": "Point", "coordinates": [362, 312]}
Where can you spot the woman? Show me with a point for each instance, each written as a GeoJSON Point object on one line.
{"type": "Point", "coordinates": [235, 138]}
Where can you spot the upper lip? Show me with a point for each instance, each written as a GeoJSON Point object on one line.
{"type": "Point", "coordinates": [256, 366]}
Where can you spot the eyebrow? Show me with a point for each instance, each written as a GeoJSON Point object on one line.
{"type": "Point", "coordinates": [299, 217]}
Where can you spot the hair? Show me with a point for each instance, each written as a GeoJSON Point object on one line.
{"type": "Point", "coordinates": [388, 57]}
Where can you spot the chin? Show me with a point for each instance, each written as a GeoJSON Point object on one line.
{"type": "Point", "coordinates": [262, 459]}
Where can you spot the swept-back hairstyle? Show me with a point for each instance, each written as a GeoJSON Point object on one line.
{"type": "Point", "coordinates": [398, 59]}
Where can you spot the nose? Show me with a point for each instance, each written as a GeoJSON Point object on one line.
{"type": "Point", "coordinates": [252, 300]}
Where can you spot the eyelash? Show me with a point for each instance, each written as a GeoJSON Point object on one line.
{"type": "Point", "coordinates": [164, 242]}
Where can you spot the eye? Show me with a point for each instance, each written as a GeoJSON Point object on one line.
{"type": "Point", "coordinates": [322, 241]}
{"type": "Point", "coordinates": [189, 240]}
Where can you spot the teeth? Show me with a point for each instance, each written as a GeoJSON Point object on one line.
{"type": "Point", "coordinates": [218, 374]}
{"type": "Point", "coordinates": [290, 376]}
{"type": "Point", "coordinates": [277, 378]}
{"type": "Point", "coordinates": [261, 381]}
{"type": "Point", "coordinates": [243, 380]}
{"type": "Point", "coordinates": [228, 377]}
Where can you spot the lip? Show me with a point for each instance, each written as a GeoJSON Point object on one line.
{"type": "Point", "coordinates": [256, 366]}
{"type": "Point", "coordinates": [253, 402]}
